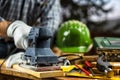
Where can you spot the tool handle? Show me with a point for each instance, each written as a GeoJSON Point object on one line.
{"type": "Point", "coordinates": [88, 64]}
{"type": "Point", "coordinates": [85, 71]}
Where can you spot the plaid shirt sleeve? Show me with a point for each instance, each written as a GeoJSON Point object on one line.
{"type": "Point", "coordinates": [51, 15]}
{"type": "Point", "coordinates": [36, 13]}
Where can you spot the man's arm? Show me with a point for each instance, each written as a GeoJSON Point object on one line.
{"type": "Point", "coordinates": [50, 18]}
{"type": "Point", "coordinates": [17, 30]}
{"type": "Point", "coordinates": [3, 27]}
{"type": "Point", "coordinates": [51, 15]}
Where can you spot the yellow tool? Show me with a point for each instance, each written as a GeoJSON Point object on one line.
{"type": "Point", "coordinates": [77, 73]}
{"type": "Point", "coordinates": [68, 68]}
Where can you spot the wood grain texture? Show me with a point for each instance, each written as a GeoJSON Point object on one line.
{"type": "Point", "coordinates": [18, 71]}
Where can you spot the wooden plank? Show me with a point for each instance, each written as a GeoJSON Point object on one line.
{"type": "Point", "coordinates": [73, 78]}
{"type": "Point", "coordinates": [18, 71]}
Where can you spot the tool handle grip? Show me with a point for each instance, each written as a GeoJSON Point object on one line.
{"type": "Point", "coordinates": [85, 71]}
{"type": "Point", "coordinates": [88, 64]}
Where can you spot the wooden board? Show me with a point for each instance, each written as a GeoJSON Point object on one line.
{"type": "Point", "coordinates": [18, 71]}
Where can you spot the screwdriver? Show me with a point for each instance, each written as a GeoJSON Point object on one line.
{"type": "Point", "coordinates": [84, 70]}
{"type": "Point", "coordinates": [88, 66]}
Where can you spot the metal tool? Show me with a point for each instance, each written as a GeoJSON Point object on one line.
{"type": "Point", "coordinates": [104, 66]}
{"type": "Point", "coordinates": [38, 52]}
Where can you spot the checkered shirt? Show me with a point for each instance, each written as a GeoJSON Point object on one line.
{"type": "Point", "coordinates": [36, 13]}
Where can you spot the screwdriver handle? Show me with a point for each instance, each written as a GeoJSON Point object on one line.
{"type": "Point", "coordinates": [85, 71]}
{"type": "Point", "coordinates": [88, 64]}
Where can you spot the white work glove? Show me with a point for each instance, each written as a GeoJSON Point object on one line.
{"type": "Point", "coordinates": [15, 59]}
{"type": "Point", "coordinates": [19, 31]}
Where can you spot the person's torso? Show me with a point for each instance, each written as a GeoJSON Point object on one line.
{"type": "Point", "coordinates": [26, 10]}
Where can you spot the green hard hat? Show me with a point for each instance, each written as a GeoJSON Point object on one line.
{"type": "Point", "coordinates": [73, 36]}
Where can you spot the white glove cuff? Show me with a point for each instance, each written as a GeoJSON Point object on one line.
{"type": "Point", "coordinates": [13, 26]}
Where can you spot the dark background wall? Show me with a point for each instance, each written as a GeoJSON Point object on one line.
{"type": "Point", "coordinates": [98, 15]}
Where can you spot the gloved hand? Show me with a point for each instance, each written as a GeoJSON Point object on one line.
{"type": "Point", "coordinates": [19, 31]}
{"type": "Point", "coordinates": [15, 59]}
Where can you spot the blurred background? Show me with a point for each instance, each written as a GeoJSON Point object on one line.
{"type": "Point", "coordinates": [101, 16]}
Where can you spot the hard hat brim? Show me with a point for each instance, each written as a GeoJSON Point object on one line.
{"type": "Point", "coordinates": [81, 49]}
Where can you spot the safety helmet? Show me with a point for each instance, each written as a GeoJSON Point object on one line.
{"type": "Point", "coordinates": [73, 36]}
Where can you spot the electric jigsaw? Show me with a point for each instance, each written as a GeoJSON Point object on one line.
{"type": "Point", "coordinates": [38, 52]}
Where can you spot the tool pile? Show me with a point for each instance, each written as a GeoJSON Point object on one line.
{"type": "Point", "coordinates": [104, 64]}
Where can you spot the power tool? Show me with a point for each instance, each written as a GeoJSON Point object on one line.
{"type": "Point", "coordinates": [38, 52]}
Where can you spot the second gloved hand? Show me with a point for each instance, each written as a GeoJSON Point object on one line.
{"type": "Point", "coordinates": [19, 31]}
{"type": "Point", "coordinates": [15, 59]}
